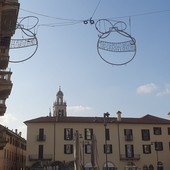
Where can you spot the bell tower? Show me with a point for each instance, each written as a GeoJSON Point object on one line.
{"type": "Point", "coordinates": [59, 106]}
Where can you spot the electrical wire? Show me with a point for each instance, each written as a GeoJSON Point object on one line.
{"type": "Point", "coordinates": [74, 21]}
{"type": "Point", "coordinates": [52, 17]}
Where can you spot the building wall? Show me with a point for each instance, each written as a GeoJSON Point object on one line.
{"type": "Point", "coordinates": [55, 146]}
{"type": "Point", "coordinates": [147, 159]}
{"type": "Point", "coordinates": [13, 154]}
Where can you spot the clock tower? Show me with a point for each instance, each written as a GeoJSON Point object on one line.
{"type": "Point", "coordinates": [59, 106]}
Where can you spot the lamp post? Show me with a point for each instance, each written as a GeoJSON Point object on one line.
{"type": "Point", "coordinates": [156, 150]}
{"type": "Point", "coordinates": [106, 115]}
{"type": "Point", "coordinates": [83, 148]}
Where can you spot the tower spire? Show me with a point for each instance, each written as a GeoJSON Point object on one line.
{"type": "Point", "coordinates": [59, 106]}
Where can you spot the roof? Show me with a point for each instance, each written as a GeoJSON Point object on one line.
{"type": "Point", "coordinates": [11, 133]}
{"type": "Point", "coordinates": [147, 119]}
{"type": "Point", "coordinates": [59, 93]}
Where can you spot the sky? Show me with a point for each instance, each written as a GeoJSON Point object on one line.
{"type": "Point", "coordinates": [67, 57]}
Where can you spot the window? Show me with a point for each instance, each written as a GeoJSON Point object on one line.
{"type": "Point", "coordinates": [129, 151]}
{"type": "Point", "coordinates": [145, 134]}
{"type": "Point", "coordinates": [41, 136]}
{"type": "Point", "coordinates": [168, 130]}
{"type": "Point", "coordinates": [160, 165]}
{"type": "Point", "coordinates": [40, 152]}
{"type": "Point", "coordinates": [107, 134]}
{"type": "Point", "coordinates": [158, 146]}
{"type": "Point", "coordinates": [68, 149]}
{"type": "Point", "coordinates": [88, 134]}
{"type": "Point", "coordinates": [151, 167]}
{"type": "Point", "coordinates": [4, 153]}
{"type": "Point", "coordinates": [146, 149]}
{"type": "Point", "coordinates": [88, 148]}
{"type": "Point", "coordinates": [10, 139]}
{"type": "Point", "coordinates": [108, 148]}
{"type": "Point", "coordinates": [157, 131]}
{"type": "Point", "coordinates": [128, 134]}
{"type": "Point", "coordinates": [68, 134]}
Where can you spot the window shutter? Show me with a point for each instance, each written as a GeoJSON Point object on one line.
{"type": "Point", "coordinates": [107, 134]}
{"type": "Point", "coordinates": [65, 149]}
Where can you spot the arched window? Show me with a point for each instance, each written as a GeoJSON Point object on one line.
{"type": "Point", "coordinates": [110, 166]}
{"type": "Point", "coordinates": [151, 167]}
{"type": "Point", "coordinates": [130, 166]}
{"type": "Point", "coordinates": [145, 167]}
{"type": "Point", "coordinates": [60, 100]}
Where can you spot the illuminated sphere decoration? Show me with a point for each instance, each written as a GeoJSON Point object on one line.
{"type": "Point", "coordinates": [114, 45]}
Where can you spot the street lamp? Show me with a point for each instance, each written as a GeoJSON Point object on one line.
{"type": "Point", "coordinates": [106, 115]}
{"type": "Point", "coordinates": [156, 149]}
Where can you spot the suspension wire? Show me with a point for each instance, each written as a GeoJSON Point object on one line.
{"type": "Point", "coordinates": [74, 21]}
{"type": "Point", "coordinates": [130, 24]}
{"type": "Point", "coordinates": [47, 16]}
{"type": "Point", "coordinates": [96, 9]}
{"type": "Point", "coordinates": [140, 14]}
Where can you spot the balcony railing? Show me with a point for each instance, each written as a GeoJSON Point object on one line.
{"type": "Point", "coordinates": [2, 107]}
{"type": "Point", "coordinates": [128, 137]}
{"type": "Point", "coordinates": [4, 59]}
{"type": "Point", "coordinates": [124, 157]}
{"type": "Point", "coordinates": [35, 157]}
{"type": "Point", "coordinates": [41, 138]}
{"type": "Point", "coordinates": [8, 17]}
{"type": "Point", "coordinates": [5, 84]}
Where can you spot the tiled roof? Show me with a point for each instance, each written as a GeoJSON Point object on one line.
{"type": "Point", "coordinates": [147, 119]}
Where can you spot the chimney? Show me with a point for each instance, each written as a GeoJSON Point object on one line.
{"type": "Point", "coordinates": [119, 116]}
{"type": "Point", "coordinates": [20, 133]}
{"type": "Point", "coordinates": [169, 115]}
{"type": "Point", "coordinates": [16, 131]}
{"type": "Point", "coordinates": [49, 112]}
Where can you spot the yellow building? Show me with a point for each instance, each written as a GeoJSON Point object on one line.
{"type": "Point", "coordinates": [12, 150]}
{"type": "Point", "coordinates": [109, 142]}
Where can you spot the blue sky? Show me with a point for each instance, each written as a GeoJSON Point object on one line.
{"type": "Point", "coordinates": [67, 57]}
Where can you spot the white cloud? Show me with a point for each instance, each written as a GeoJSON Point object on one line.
{"type": "Point", "coordinates": [164, 92]}
{"type": "Point", "coordinates": [79, 108]}
{"type": "Point", "coordinates": [8, 120]}
{"type": "Point", "coordinates": [147, 88]}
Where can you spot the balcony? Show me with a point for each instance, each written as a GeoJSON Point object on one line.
{"type": "Point", "coordinates": [4, 52]}
{"type": "Point", "coordinates": [4, 59]}
{"type": "Point", "coordinates": [5, 84]}
{"type": "Point", "coordinates": [35, 157]}
{"type": "Point", "coordinates": [8, 17]}
{"type": "Point", "coordinates": [2, 107]}
{"type": "Point", "coordinates": [41, 137]}
{"type": "Point", "coordinates": [124, 157]}
{"type": "Point", "coordinates": [8, 1]}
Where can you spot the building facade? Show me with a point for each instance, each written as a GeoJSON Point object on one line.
{"type": "Point", "coordinates": [12, 150]}
{"type": "Point", "coordinates": [8, 18]}
{"type": "Point", "coordinates": [109, 142]}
